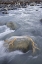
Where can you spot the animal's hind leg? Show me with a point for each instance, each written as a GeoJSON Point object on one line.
{"type": "Point", "coordinates": [33, 45]}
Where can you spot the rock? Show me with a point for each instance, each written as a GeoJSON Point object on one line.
{"type": "Point", "coordinates": [36, 10]}
{"type": "Point", "coordinates": [32, 4]}
{"type": "Point", "coordinates": [41, 20]}
{"type": "Point", "coordinates": [23, 43]}
{"type": "Point", "coordinates": [38, 4]}
{"type": "Point", "coordinates": [4, 12]}
{"type": "Point", "coordinates": [4, 9]}
{"type": "Point", "coordinates": [12, 25]}
{"type": "Point", "coordinates": [41, 7]}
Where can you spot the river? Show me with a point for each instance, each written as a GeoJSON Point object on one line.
{"type": "Point", "coordinates": [29, 23]}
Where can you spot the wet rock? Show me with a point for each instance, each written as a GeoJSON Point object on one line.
{"type": "Point", "coordinates": [12, 25]}
{"type": "Point", "coordinates": [38, 4]}
{"type": "Point", "coordinates": [36, 10]}
{"type": "Point", "coordinates": [32, 4]}
{"type": "Point", "coordinates": [41, 20]}
{"type": "Point", "coordinates": [12, 7]}
{"type": "Point", "coordinates": [41, 7]}
{"type": "Point", "coordinates": [22, 43]}
{"type": "Point", "coordinates": [4, 12]}
{"type": "Point", "coordinates": [4, 9]}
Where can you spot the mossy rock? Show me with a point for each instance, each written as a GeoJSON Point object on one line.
{"type": "Point", "coordinates": [22, 43]}
{"type": "Point", "coordinates": [12, 25]}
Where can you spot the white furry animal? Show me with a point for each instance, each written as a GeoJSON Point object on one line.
{"type": "Point", "coordinates": [23, 43]}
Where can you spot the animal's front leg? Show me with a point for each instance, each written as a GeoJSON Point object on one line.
{"type": "Point", "coordinates": [33, 46]}
{"type": "Point", "coordinates": [12, 41]}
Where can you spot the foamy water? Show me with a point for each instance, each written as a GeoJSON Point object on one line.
{"type": "Point", "coordinates": [30, 25]}
{"type": "Point", "coordinates": [6, 31]}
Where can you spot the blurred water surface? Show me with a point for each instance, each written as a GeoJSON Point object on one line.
{"type": "Point", "coordinates": [29, 21]}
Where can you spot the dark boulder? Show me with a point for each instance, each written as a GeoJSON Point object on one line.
{"type": "Point", "coordinates": [41, 20]}
{"type": "Point", "coordinates": [4, 12]}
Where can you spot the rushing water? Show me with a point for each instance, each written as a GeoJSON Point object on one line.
{"type": "Point", "coordinates": [29, 23]}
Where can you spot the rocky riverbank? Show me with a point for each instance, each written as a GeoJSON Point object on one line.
{"type": "Point", "coordinates": [5, 7]}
